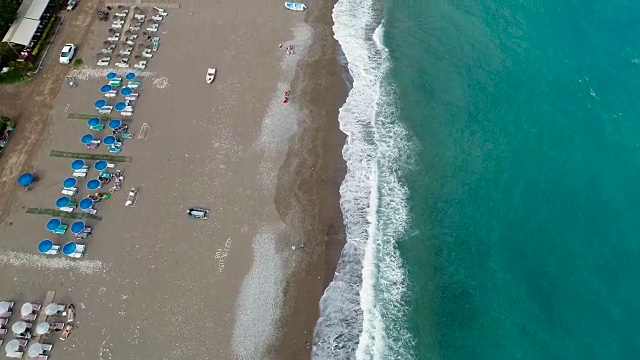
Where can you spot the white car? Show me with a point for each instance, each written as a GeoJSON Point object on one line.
{"type": "Point", "coordinates": [67, 53]}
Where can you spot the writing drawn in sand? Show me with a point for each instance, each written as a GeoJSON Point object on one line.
{"type": "Point", "coordinates": [221, 255]}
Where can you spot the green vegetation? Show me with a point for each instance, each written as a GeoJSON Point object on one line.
{"type": "Point", "coordinates": [88, 156]}
{"type": "Point", "coordinates": [62, 214]}
{"type": "Point", "coordinates": [14, 75]}
{"type": "Point", "coordinates": [89, 116]}
{"type": "Point", "coordinates": [78, 62]}
{"type": "Point", "coordinates": [8, 13]}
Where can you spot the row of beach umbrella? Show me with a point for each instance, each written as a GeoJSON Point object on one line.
{"type": "Point", "coordinates": [87, 139]}
{"type": "Point", "coordinates": [113, 123]}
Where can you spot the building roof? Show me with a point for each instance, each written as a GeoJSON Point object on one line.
{"type": "Point", "coordinates": [21, 31]}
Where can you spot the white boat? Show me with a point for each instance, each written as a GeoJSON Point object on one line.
{"type": "Point", "coordinates": [295, 6]}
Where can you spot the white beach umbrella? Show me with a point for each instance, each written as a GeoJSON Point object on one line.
{"type": "Point", "coordinates": [5, 306]}
{"type": "Point", "coordinates": [26, 309]}
{"type": "Point", "coordinates": [53, 309]}
{"type": "Point", "coordinates": [19, 327]}
{"type": "Point", "coordinates": [12, 346]}
{"type": "Point", "coordinates": [43, 328]}
{"type": "Point", "coordinates": [35, 349]}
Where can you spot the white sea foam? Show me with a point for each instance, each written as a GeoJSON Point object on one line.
{"type": "Point", "coordinates": [18, 259]}
{"type": "Point", "coordinates": [260, 300]}
{"type": "Point", "coordinates": [361, 314]}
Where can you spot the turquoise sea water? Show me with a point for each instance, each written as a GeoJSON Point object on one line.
{"type": "Point", "coordinates": [523, 199]}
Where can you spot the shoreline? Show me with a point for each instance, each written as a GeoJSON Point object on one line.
{"type": "Point", "coordinates": [309, 184]}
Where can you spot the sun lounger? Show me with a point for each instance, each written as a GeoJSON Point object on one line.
{"type": "Point", "coordinates": [122, 65]}
{"type": "Point", "coordinates": [90, 211]}
{"type": "Point", "coordinates": [54, 250]}
{"type": "Point", "coordinates": [140, 65]}
{"type": "Point", "coordinates": [3, 322]}
{"type": "Point", "coordinates": [117, 25]}
{"type": "Point", "coordinates": [29, 317]}
{"type": "Point", "coordinates": [78, 254]}
{"type": "Point", "coordinates": [6, 315]}
{"type": "Point", "coordinates": [127, 136]}
{"type": "Point", "coordinates": [48, 347]}
{"type": "Point", "coordinates": [115, 150]}
{"type": "Point", "coordinates": [111, 94]}
{"type": "Point", "coordinates": [67, 209]}
{"type": "Point", "coordinates": [157, 18]}
{"type": "Point", "coordinates": [23, 342]}
{"type": "Point", "coordinates": [121, 14]}
{"type": "Point", "coordinates": [139, 16]}
{"type": "Point", "coordinates": [15, 355]}
{"type": "Point", "coordinates": [98, 127]}
{"type": "Point", "coordinates": [115, 82]}
{"type": "Point", "coordinates": [69, 191]}
{"type": "Point", "coordinates": [111, 166]}
{"type": "Point", "coordinates": [103, 63]}
{"type": "Point", "coordinates": [134, 84]}
{"type": "Point", "coordinates": [3, 331]}
{"type": "Point", "coordinates": [106, 109]}
{"type": "Point", "coordinates": [79, 174]}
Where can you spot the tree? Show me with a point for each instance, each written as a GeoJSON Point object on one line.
{"type": "Point", "coordinates": [8, 13]}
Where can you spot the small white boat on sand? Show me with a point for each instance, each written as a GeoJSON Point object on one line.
{"type": "Point", "coordinates": [295, 6]}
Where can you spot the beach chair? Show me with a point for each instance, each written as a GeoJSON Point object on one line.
{"type": "Point", "coordinates": [134, 84]}
{"type": "Point", "coordinates": [54, 250]}
{"type": "Point", "coordinates": [99, 127]}
{"type": "Point", "coordinates": [16, 355]}
{"type": "Point", "coordinates": [90, 211]}
{"type": "Point", "coordinates": [79, 251]}
{"type": "Point", "coordinates": [3, 331]}
{"type": "Point", "coordinates": [61, 230]}
{"type": "Point", "coordinates": [105, 175]}
{"type": "Point", "coordinates": [103, 62]}
{"type": "Point", "coordinates": [79, 174]}
{"type": "Point", "coordinates": [115, 150]}
{"type": "Point", "coordinates": [41, 357]}
{"type": "Point", "coordinates": [106, 109]}
{"type": "Point", "coordinates": [126, 113]}
{"type": "Point", "coordinates": [111, 166]}
{"type": "Point", "coordinates": [111, 94]}
{"type": "Point", "coordinates": [6, 315]}
{"type": "Point", "coordinates": [69, 191]}
{"type": "Point", "coordinates": [67, 209]}
{"type": "Point", "coordinates": [48, 347]}
{"type": "Point", "coordinates": [127, 136]}
{"type": "Point", "coordinates": [29, 317]}
{"type": "Point", "coordinates": [3, 322]}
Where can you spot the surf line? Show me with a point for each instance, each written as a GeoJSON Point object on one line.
{"type": "Point", "coordinates": [222, 253]}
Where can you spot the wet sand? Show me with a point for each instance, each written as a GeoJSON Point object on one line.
{"type": "Point", "coordinates": [153, 284]}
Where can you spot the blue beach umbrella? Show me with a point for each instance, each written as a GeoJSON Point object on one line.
{"type": "Point", "coordinates": [69, 248]}
{"type": "Point", "coordinates": [93, 184]}
{"type": "Point", "coordinates": [62, 201]}
{"type": "Point", "coordinates": [86, 139]}
{"type": "Point", "coordinates": [77, 227]}
{"type": "Point", "coordinates": [100, 165]}
{"type": "Point", "coordinates": [69, 182]}
{"type": "Point", "coordinates": [86, 203]}
{"type": "Point", "coordinates": [126, 91]}
{"type": "Point", "coordinates": [109, 140]}
{"type": "Point", "coordinates": [53, 224]}
{"type": "Point", "coordinates": [78, 164]}
{"type": "Point", "coordinates": [115, 123]}
{"type": "Point", "coordinates": [120, 106]}
{"type": "Point", "coordinates": [111, 75]}
{"type": "Point", "coordinates": [94, 121]}
{"type": "Point", "coordinates": [26, 179]}
{"type": "Point", "coordinates": [100, 104]}
{"type": "Point", "coordinates": [45, 245]}
{"type": "Point", "coordinates": [105, 88]}
{"type": "Point", "coordinates": [130, 76]}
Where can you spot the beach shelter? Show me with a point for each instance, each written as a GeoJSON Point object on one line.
{"type": "Point", "coordinates": [126, 91]}
{"type": "Point", "coordinates": [35, 349]}
{"type": "Point", "coordinates": [45, 245]}
{"type": "Point", "coordinates": [94, 121]}
{"type": "Point", "coordinates": [77, 227]}
{"type": "Point", "coordinates": [53, 224]}
{"type": "Point", "coordinates": [63, 201]}
{"type": "Point", "coordinates": [106, 88]}
{"type": "Point", "coordinates": [19, 327]}
{"type": "Point", "coordinates": [100, 104]}
{"type": "Point", "coordinates": [109, 140]}
{"type": "Point", "coordinates": [69, 248]}
{"type": "Point", "coordinates": [120, 106]}
{"type": "Point", "coordinates": [100, 165]}
{"type": "Point", "coordinates": [52, 309]}
{"type": "Point", "coordinates": [93, 184]}
{"type": "Point", "coordinates": [26, 179]}
{"type": "Point", "coordinates": [111, 75]}
{"type": "Point", "coordinates": [27, 309]}
{"type": "Point", "coordinates": [43, 327]}
{"type": "Point", "coordinates": [78, 164]}
{"type": "Point", "coordinates": [86, 203]}
{"type": "Point", "coordinates": [115, 123]}
{"type": "Point", "coordinates": [86, 139]}
{"type": "Point", "coordinates": [69, 182]}
{"type": "Point", "coordinates": [12, 346]}
{"type": "Point", "coordinates": [5, 306]}
{"type": "Point", "coordinates": [130, 76]}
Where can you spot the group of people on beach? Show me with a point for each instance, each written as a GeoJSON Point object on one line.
{"type": "Point", "coordinates": [289, 48]}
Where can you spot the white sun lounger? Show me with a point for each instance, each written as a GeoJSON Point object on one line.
{"type": "Point", "coordinates": [157, 18]}
{"type": "Point", "coordinates": [69, 191]}
{"type": "Point", "coordinates": [54, 250]}
{"type": "Point", "coordinates": [102, 63]}
{"type": "Point", "coordinates": [106, 109]}
{"type": "Point", "coordinates": [79, 251]}
{"type": "Point", "coordinates": [111, 94]}
{"type": "Point", "coordinates": [80, 174]}
{"type": "Point", "coordinates": [67, 209]}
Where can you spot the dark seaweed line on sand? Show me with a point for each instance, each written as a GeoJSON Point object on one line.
{"type": "Point", "coordinates": [88, 156]}
{"type": "Point", "coordinates": [62, 214]}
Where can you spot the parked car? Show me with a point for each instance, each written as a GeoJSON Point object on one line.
{"type": "Point", "coordinates": [67, 53]}
{"type": "Point", "coordinates": [71, 5]}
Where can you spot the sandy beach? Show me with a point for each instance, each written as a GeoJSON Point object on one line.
{"type": "Point", "coordinates": [155, 283]}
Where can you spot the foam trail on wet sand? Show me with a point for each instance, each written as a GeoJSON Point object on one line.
{"type": "Point", "coordinates": [86, 267]}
